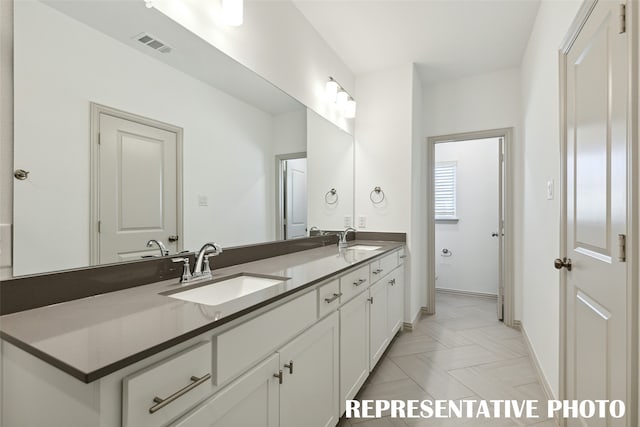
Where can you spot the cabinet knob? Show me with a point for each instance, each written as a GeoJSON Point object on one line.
{"type": "Point", "coordinates": [370, 299]}
{"type": "Point", "coordinates": [278, 376]}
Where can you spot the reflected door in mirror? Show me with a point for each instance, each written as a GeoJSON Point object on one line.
{"type": "Point", "coordinates": [137, 189]}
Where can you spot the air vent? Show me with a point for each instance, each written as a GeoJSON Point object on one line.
{"type": "Point", "coordinates": [153, 43]}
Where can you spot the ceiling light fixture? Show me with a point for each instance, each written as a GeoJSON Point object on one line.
{"type": "Point", "coordinates": [335, 93]}
{"type": "Point", "coordinates": [232, 10]}
{"type": "Point", "coordinates": [148, 4]}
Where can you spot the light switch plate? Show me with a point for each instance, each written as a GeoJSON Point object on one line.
{"type": "Point", "coordinates": [362, 221]}
{"type": "Point", "coordinates": [347, 220]}
{"type": "Point", "coordinates": [550, 190]}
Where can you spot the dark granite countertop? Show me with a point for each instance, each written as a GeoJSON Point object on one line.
{"type": "Point", "coordinates": [90, 338]}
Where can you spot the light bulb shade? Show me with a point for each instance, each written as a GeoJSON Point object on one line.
{"type": "Point", "coordinates": [232, 11]}
{"type": "Point", "coordinates": [331, 90]}
{"type": "Point", "coordinates": [341, 99]}
{"type": "Point", "coordinates": [350, 109]}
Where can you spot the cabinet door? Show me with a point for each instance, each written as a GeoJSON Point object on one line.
{"type": "Point", "coordinates": [395, 296]}
{"type": "Point", "coordinates": [378, 324]}
{"type": "Point", "coordinates": [354, 347]}
{"type": "Point", "coordinates": [251, 400]}
{"type": "Point", "coordinates": [309, 392]}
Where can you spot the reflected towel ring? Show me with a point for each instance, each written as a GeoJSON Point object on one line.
{"type": "Point", "coordinates": [327, 197]}
{"type": "Point", "coordinates": [379, 192]}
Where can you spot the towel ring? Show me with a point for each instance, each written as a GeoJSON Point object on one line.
{"type": "Point", "coordinates": [328, 197]}
{"type": "Point", "coordinates": [378, 191]}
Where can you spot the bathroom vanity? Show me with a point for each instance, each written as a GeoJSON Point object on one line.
{"type": "Point", "coordinates": [288, 350]}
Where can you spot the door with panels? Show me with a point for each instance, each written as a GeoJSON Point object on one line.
{"type": "Point", "coordinates": [597, 309]}
{"type": "Point", "coordinates": [138, 188]}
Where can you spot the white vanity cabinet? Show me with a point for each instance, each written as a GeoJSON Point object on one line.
{"type": "Point", "coordinates": [309, 389]}
{"type": "Point", "coordinates": [395, 300]}
{"type": "Point", "coordinates": [251, 400]}
{"type": "Point", "coordinates": [354, 347]}
{"type": "Point", "coordinates": [292, 364]}
{"type": "Point", "coordinates": [378, 324]}
{"type": "Point", "coordinates": [297, 386]}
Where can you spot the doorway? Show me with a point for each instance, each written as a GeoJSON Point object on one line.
{"type": "Point", "coordinates": [469, 232]}
{"type": "Point", "coordinates": [291, 203]}
{"type": "Point", "coordinates": [136, 185]}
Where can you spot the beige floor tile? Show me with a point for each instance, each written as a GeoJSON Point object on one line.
{"type": "Point", "coordinates": [418, 344]}
{"type": "Point", "coordinates": [463, 357]}
{"type": "Point", "coordinates": [387, 371]}
{"type": "Point", "coordinates": [433, 379]}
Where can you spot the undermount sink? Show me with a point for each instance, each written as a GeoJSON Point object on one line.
{"type": "Point", "coordinates": [228, 289]}
{"type": "Point", "coordinates": [364, 248]}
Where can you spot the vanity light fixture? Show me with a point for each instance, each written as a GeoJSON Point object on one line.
{"type": "Point", "coordinates": [232, 10]}
{"type": "Point", "coordinates": [350, 109]}
{"type": "Point", "coordinates": [335, 93]}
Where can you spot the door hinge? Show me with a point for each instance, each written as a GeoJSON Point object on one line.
{"type": "Point", "coordinates": [99, 225]}
{"type": "Point", "coordinates": [622, 247]}
{"type": "Point", "coordinates": [623, 19]}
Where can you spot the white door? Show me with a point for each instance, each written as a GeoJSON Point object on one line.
{"type": "Point", "coordinates": [395, 297]}
{"type": "Point", "coordinates": [378, 323]}
{"type": "Point", "coordinates": [296, 198]}
{"type": "Point", "coordinates": [309, 390]}
{"type": "Point", "coordinates": [252, 400]}
{"type": "Point", "coordinates": [500, 228]}
{"type": "Point", "coordinates": [138, 189]}
{"type": "Point", "coordinates": [597, 318]}
{"type": "Point", "coordinates": [354, 347]}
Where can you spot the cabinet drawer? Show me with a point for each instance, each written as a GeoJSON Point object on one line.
{"type": "Point", "coordinates": [161, 392]}
{"type": "Point", "coordinates": [328, 297]}
{"type": "Point", "coordinates": [383, 266]}
{"type": "Point", "coordinates": [354, 282]}
{"type": "Point", "coordinates": [237, 349]}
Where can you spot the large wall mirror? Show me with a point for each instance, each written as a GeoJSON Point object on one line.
{"type": "Point", "coordinates": [132, 128]}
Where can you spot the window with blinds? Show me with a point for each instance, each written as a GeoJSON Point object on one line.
{"type": "Point", "coordinates": [445, 190]}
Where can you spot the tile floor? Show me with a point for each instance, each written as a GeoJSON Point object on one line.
{"type": "Point", "coordinates": [461, 352]}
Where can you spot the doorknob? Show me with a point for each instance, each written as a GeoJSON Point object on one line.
{"type": "Point", "coordinates": [494, 234]}
{"type": "Point", "coordinates": [173, 238]}
{"type": "Point", "coordinates": [564, 262]}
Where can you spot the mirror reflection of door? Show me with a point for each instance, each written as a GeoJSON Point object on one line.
{"type": "Point", "coordinates": [138, 187]}
{"type": "Point", "coordinates": [292, 197]}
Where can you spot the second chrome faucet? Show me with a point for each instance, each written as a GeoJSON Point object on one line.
{"type": "Point", "coordinates": [202, 269]}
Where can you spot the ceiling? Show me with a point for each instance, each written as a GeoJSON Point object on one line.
{"type": "Point", "coordinates": [446, 38]}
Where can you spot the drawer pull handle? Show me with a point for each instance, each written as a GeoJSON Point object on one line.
{"type": "Point", "coordinates": [403, 256]}
{"type": "Point", "coordinates": [278, 376]}
{"type": "Point", "coordinates": [289, 366]}
{"type": "Point", "coordinates": [330, 300]}
{"type": "Point", "coordinates": [392, 282]}
{"type": "Point", "coordinates": [359, 282]}
{"type": "Point", "coordinates": [161, 403]}
{"type": "Point", "coordinates": [378, 271]}
{"type": "Point", "coordinates": [370, 300]}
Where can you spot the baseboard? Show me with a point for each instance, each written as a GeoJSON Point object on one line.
{"type": "Point", "coordinates": [410, 326]}
{"type": "Point", "coordinates": [466, 293]}
{"type": "Point", "coordinates": [534, 359]}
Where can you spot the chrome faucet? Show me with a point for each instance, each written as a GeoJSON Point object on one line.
{"type": "Point", "coordinates": [342, 237]}
{"type": "Point", "coordinates": [163, 250]}
{"type": "Point", "coordinates": [202, 269]}
{"type": "Point", "coordinates": [315, 230]}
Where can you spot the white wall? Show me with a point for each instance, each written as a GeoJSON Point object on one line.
{"type": "Point", "coordinates": [482, 102]}
{"type": "Point", "coordinates": [290, 132]}
{"type": "Point", "coordinates": [540, 242]}
{"type": "Point", "coordinates": [473, 264]}
{"type": "Point", "coordinates": [53, 90]}
{"type": "Point", "coordinates": [277, 42]}
{"type": "Point", "coordinates": [6, 137]}
{"type": "Point", "coordinates": [330, 165]}
{"type": "Point", "coordinates": [388, 133]}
